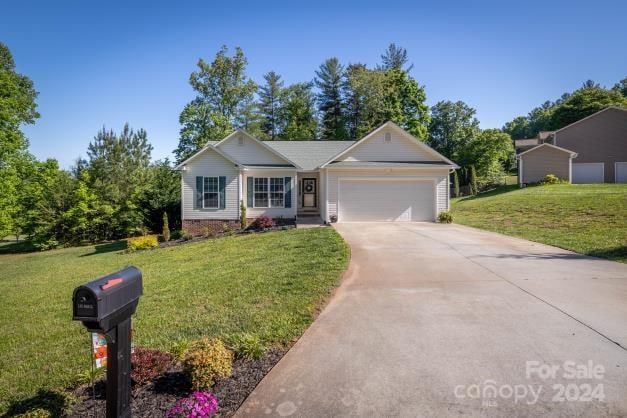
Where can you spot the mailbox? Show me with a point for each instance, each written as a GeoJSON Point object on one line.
{"type": "Point", "coordinates": [106, 305]}
{"type": "Point", "coordinates": [105, 302]}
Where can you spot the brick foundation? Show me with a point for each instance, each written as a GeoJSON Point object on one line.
{"type": "Point", "coordinates": [208, 226]}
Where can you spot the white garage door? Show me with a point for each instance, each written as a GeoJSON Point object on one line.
{"type": "Point", "coordinates": [621, 172]}
{"type": "Point", "coordinates": [371, 200]}
{"type": "Point", "coordinates": [588, 173]}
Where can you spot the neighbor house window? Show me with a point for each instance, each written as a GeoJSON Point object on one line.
{"type": "Point", "coordinates": [210, 195]}
{"type": "Point", "coordinates": [269, 192]}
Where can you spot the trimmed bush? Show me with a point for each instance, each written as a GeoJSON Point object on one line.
{"type": "Point", "coordinates": [445, 217]}
{"type": "Point", "coordinates": [142, 243]}
{"type": "Point", "coordinates": [36, 413]}
{"type": "Point", "coordinates": [247, 345]}
{"type": "Point", "coordinates": [205, 361]}
{"type": "Point", "coordinates": [147, 364]}
{"type": "Point", "coordinates": [264, 222]}
{"type": "Point", "coordinates": [552, 179]}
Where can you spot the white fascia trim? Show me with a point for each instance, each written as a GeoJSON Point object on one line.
{"type": "Point", "coordinates": [203, 149]}
{"type": "Point", "coordinates": [573, 154]}
{"type": "Point", "coordinates": [269, 148]}
{"type": "Point", "coordinates": [391, 124]}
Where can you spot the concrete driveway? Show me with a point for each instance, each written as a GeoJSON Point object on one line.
{"type": "Point", "coordinates": [436, 320]}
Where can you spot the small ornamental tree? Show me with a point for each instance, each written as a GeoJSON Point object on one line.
{"type": "Point", "coordinates": [242, 214]}
{"type": "Point", "coordinates": [455, 184]}
{"type": "Point", "coordinates": [474, 188]}
{"type": "Point", "coordinates": [166, 227]}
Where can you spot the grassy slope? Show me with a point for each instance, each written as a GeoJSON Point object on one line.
{"type": "Point", "coordinates": [267, 284]}
{"type": "Point", "coordinates": [585, 218]}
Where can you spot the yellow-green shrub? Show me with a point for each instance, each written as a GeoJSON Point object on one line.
{"type": "Point", "coordinates": [205, 361]}
{"type": "Point", "coordinates": [445, 217]}
{"type": "Point", "coordinates": [35, 413]}
{"type": "Point", "coordinates": [142, 243]}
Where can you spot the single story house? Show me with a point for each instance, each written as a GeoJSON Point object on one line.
{"type": "Point", "coordinates": [388, 175]}
{"type": "Point", "coordinates": [594, 149]}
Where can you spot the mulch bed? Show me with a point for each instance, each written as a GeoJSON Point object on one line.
{"type": "Point", "coordinates": [156, 398]}
{"type": "Point", "coordinates": [181, 241]}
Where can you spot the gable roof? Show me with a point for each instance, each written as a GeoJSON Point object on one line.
{"type": "Point", "coordinates": [309, 155]}
{"type": "Point", "coordinates": [209, 145]}
{"type": "Point", "coordinates": [572, 153]}
{"type": "Point", "coordinates": [591, 116]}
{"type": "Point", "coordinates": [390, 124]}
{"type": "Point", "coordinates": [262, 143]}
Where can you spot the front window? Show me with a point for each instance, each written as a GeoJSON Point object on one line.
{"type": "Point", "coordinates": [211, 195]}
{"type": "Point", "coordinates": [269, 192]}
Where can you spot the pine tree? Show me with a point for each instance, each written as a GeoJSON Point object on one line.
{"type": "Point", "coordinates": [329, 80]}
{"type": "Point", "coordinates": [394, 58]}
{"type": "Point", "coordinates": [270, 104]}
{"type": "Point", "coordinates": [455, 184]}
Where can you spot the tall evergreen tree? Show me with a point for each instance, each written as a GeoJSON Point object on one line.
{"type": "Point", "coordinates": [329, 80]}
{"type": "Point", "coordinates": [298, 113]}
{"type": "Point", "coordinates": [222, 88]}
{"type": "Point", "coordinates": [270, 104]}
{"type": "Point", "coordinates": [395, 57]}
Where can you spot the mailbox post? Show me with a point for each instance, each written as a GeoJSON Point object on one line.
{"type": "Point", "coordinates": [106, 305]}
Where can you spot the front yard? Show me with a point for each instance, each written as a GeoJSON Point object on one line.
{"type": "Point", "coordinates": [586, 218]}
{"type": "Point", "coordinates": [269, 285]}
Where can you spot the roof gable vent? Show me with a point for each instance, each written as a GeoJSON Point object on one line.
{"type": "Point", "coordinates": [240, 141]}
{"type": "Point", "coordinates": [387, 137]}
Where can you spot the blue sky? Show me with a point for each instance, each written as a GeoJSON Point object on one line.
{"type": "Point", "coordinates": [105, 63]}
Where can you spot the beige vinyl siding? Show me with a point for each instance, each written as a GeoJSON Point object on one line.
{"type": "Point", "coordinates": [438, 176]}
{"type": "Point", "coordinates": [252, 212]}
{"type": "Point", "coordinates": [400, 148]}
{"type": "Point", "coordinates": [209, 164]}
{"type": "Point", "coordinates": [250, 152]}
{"type": "Point", "coordinates": [601, 138]}
{"type": "Point", "coordinates": [542, 161]}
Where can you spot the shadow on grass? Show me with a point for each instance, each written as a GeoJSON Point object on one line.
{"type": "Point", "coordinates": [494, 192]}
{"type": "Point", "coordinates": [56, 403]}
{"type": "Point", "coordinates": [615, 254]}
{"type": "Point", "coordinates": [107, 248]}
{"type": "Point", "coordinates": [12, 247]}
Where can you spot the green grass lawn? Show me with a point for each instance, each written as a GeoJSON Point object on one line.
{"type": "Point", "coordinates": [266, 284]}
{"type": "Point", "coordinates": [586, 218]}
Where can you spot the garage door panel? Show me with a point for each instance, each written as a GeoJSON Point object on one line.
{"type": "Point", "coordinates": [588, 173]}
{"type": "Point", "coordinates": [621, 172]}
{"type": "Point", "coordinates": [370, 200]}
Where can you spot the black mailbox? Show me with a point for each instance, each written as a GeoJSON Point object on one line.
{"type": "Point", "coordinates": [105, 302]}
{"type": "Point", "coordinates": [106, 305]}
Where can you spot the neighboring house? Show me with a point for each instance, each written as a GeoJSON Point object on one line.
{"type": "Point", "coordinates": [386, 176]}
{"type": "Point", "coordinates": [598, 143]}
{"type": "Point", "coordinates": [535, 163]}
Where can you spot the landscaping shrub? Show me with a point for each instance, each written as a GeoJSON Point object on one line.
{"type": "Point", "coordinates": [147, 364]}
{"type": "Point", "coordinates": [35, 413]}
{"type": "Point", "coordinates": [198, 404]}
{"type": "Point", "coordinates": [264, 222]}
{"type": "Point", "coordinates": [445, 217]}
{"type": "Point", "coordinates": [205, 361]}
{"type": "Point", "coordinates": [186, 235]}
{"type": "Point", "coordinates": [90, 375]}
{"type": "Point", "coordinates": [333, 218]}
{"type": "Point", "coordinates": [455, 184]}
{"type": "Point", "coordinates": [247, 345]}
{"type": "Point", "coordinates": [552, 179]}
{"type": "Point", "coordinates": [179, 348]}
{"type": "Point", "coordinates": [46, 403]}
{"type": "Point", "coordinates": [166, 228]}
{"type": "Point", "coordinates": [242, 214]}
{"type": "Point", "coordinates": [142, 243]}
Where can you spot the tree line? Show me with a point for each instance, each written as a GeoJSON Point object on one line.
{"type": "Point", "coordinates": [114, 193]}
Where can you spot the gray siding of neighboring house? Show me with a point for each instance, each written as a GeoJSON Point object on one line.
{"type": "Point", "coordinates": [601, 138]}
{"type": "Point", "coordinates": [542, 161]}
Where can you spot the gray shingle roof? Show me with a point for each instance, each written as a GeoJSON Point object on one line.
{"type": "Point", "coordinates": [309, 154]}
{"type": "Point", "coordinates": [389, 164]}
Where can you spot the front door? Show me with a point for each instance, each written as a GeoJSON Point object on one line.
{"type": "Point", "coordinates": [309, 188]}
